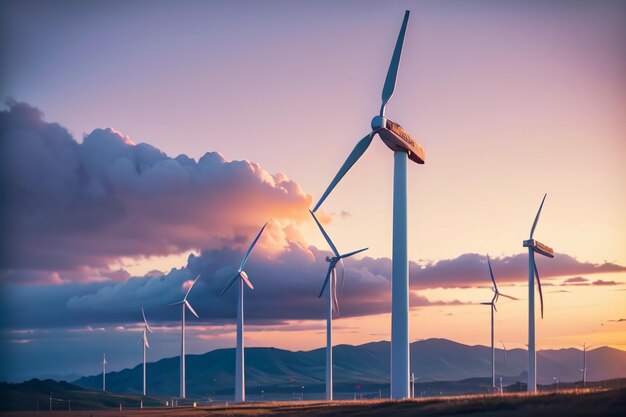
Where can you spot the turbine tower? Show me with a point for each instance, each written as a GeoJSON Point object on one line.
{"type": "Point", "coordinates": [534, 246]}
{"type": "Point", "coordinates": [404, 147]}
{"type": "Point", "coordinates": [240, 381]}
{"type": "Point", "coordinates": [584, 369]}
{"type": "Point", "coordinates": [146, 345]}
{"type": "Point", "coordinates": [332, 303]}
{"type": "Point", "coordinates": [185, 305]}
{"type": "Point", "coordinates": [492, 304]}
{"type": "Point", "coordinates": [104, 372]}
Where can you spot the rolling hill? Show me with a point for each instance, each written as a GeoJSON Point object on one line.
{"type": "Point", "coordinates": [282, 371]}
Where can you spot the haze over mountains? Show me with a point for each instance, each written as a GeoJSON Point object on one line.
{"type": "Point", "coordinates": [367, 365]}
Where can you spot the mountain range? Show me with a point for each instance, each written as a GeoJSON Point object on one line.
{"type": "Point", "coordinates": [363, 367]}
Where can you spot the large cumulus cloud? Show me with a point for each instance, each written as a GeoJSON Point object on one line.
{"type": "Point", "coordinates": [286, 287]}
{"type": "Point", "coordinates": [70, 205]}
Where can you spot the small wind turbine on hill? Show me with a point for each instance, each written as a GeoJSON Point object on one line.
{"type": "Point", "coordinates": [146, 345]}
{"type": "Point", "coordinates": [584, 368]}
{"type": "Point", "coordinates": [104, 372]}
{"type": "Point", "coordinates": [332, 303]}
{"type": "Point", "coordinates": [404, 147]}
{"type": "Point", "coordinates": [534, 246]}
{"type": "Point", "coordinates": [240, 381]}
{"type": "Point", "coordinates": [492, 304]}
{"type": "Point", "coordinates": [185, 305]}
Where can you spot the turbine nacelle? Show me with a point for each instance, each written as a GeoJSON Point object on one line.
{"type": "Point", "coordinates": [397, 139]}
{"type": "Point", "coordinates": [539, 247]}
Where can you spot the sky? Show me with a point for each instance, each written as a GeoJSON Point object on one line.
{"type": "Point", "coordinates": [144, 143]}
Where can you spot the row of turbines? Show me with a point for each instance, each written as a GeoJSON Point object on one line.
{"type": "Point", "coordinates": [405, 148]}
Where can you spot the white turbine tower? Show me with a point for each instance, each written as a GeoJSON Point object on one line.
{"type": "Point", "coordinates": [584, 368]}
{"type": "Point", "coordinates": [240, 380]}
{"type": "Point", "coordinates": [146, 345]}
{"type": "Point", "coordinates": [534, 246]}
{"type": "Point", "coordinates": [332, 303]}
{"type": "Point", "coordinates": [404, 146]}
{"type": "Point", "coordinates": [185, 305]}
{"type": "Point", "coordinates": [492, 304]}
{"type": "Point", "coordinates": [104, 372]}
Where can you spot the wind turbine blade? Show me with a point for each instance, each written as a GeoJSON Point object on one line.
{"type": "Point", "coordinates": [358, 150]}
{"type": "Point", "coordinates": [141, 339]}
{"type": "Point", "coordinates": [507, 296]}
{"type": "Point", "coordinates": [229, 283]}
{"type": "Point", "coordinates": [502, 343]}
{"type": "Point", "coordinates": [343, 277]}
{"type": "Point", "coordinates": [145, 321]}
{"type": "Point", "coordinates": [330, 268]}
{"type": "Point", "coordinates": [392, 73]}
{"type": "Point", "coordinates": [176, 303]}
{"type": "Point", "coordinates": [347, 255]}
{"type": "Point", "coordinates": [538, 284]}
{"type": "Point", "coordinates": [493, 305]}
{"type": "Point", "coordinates": [245, 259]}
{"type": "Point", "coordinates": [246, 281]}
{"type": "Point", "coordinates": [334, 294]}
{"type": "Point", "coordinates": [191, 286]}
{"type": "Point", "coordinates": [330, 242]}
{"type": "Point", "coordinates": [537, 216]}
{"type": "Point", "coordinates": [147, 344]}
{"type": "Point", "coordinates": [191, 309]}
{"type": "Point", "coordinates": [486, 303]}
{"type": "Point", "coordinates": [491, 274]}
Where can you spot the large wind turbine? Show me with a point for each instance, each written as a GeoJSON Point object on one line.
{"type": "Point", "coordinates": [146, 345]}
{"type": "Point", "coordinates": [240, 380]}
{"type": "Point", "coordinates": [542, 249]}
{"type": "Point", "coordinates": [404, 146]}
{"type": "Point", "coordinates": [185, 305]}
{"type": "Point", "coordinates": [492, 304]}
{"type": "Point", "coordinates": [332, 303]}
{"type": "Point", "coordinates": [104, 372]}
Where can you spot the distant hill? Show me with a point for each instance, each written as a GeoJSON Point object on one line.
{"type": "Point", "coordinates": [43, 395]}
{"type": "Point", "coordinates": [282, 371]}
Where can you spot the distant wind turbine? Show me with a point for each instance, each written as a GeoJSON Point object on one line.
{"type": "Point", "coordinates": [492, 304]}
{"type": "Point", "coordinates": [240, 381]}
{"type": "Point", "coordinates": [584, 369]}
{"type": "Point", "coordinates": [534, 246]}
{"type": "Point", "coordinates": [185, 305]}
{"type": "Point", "coordinates": [146, 345]}
{"type": "Point", "coordinates": [404, 147]}
{"type": "Point", "coordinates": [104, 372]}
{"type": "Point", "coordinates": [332, 303]}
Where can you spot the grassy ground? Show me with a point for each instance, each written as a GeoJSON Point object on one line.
{"type": "Point", "coordinates": [571, 403]}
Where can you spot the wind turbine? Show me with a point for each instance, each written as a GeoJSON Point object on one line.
{"type": "Point", "coordinates": [185, 305]}
{"type": "Point", "coordinates": [146, 345]}
{"type": "Point", "coordinates": [584, 369]}
{"type": "Point", "coordinates": [404, 147]}
{"type": "Point", "coordinates": [534, 246]}
{"type": "Point", "coordinates": [492, 304]}
{"type": "Point", "coordinates": [332, 303]}
{"type": "Point", "coordinates": [104, 372]}
{"type": "Point", "coordinates": [240, 381]}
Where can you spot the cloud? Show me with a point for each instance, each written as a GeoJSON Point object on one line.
{"type": "Point", "coordinates": [74, 205]}
{"type": "Point", "coordinates": [575, 281]}
{"type": "Point", "coordinates": [580, 281]}
{"type": "Point", "coordinates": [605, 283]}
{"type": "Point", "coordinates": [470, 269]}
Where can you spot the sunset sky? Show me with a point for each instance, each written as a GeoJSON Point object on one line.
{"type": "Point", "coordinates": [144, 143]}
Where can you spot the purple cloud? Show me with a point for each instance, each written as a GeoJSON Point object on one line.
{"type": "Point", "coordinates": [73, 205]}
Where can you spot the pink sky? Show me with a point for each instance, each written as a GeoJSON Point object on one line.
{"type": "Point", "coordinates": [510, 101]}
